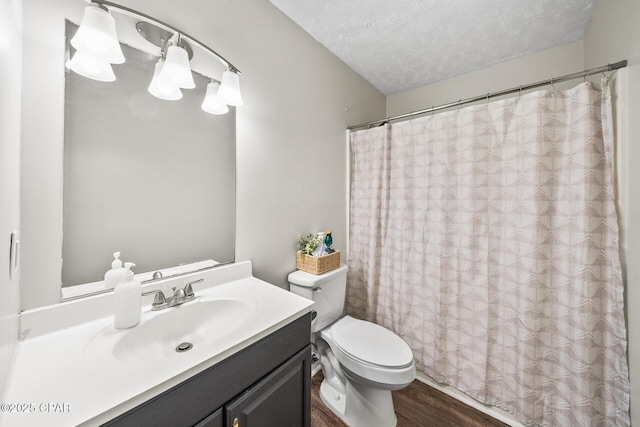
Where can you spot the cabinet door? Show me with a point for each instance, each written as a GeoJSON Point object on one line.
{"type": "Point", "coordinates": [213, 420]}
{"type": "Point", "coordinates": [282, 398]}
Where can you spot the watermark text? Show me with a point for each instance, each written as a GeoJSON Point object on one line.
{"type": "Point", "coordinates": [42, 407]}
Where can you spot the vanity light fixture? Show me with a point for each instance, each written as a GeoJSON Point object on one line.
{"type": "Point", "coordinates": [97, 36]}
{"type": "Point", "coordinates": [213, 102]}
{"type": "Point", "coordinates": [230, 87]}
{"type": "Point", "coordinates": [161, 87]}
{"type": "Point", "coordinates": [90, 67]}
{"type": "Point", "coordinates": [97, 47]}
{"type": "Point", "coordinates": [176, 66]}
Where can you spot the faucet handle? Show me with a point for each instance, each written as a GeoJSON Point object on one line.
{"type": "Point", "coordinates": [188, 289]}
{"type": "Point", "coordinates": [159, 299]}
{"type": "Point", "coordinates": [178, 294]}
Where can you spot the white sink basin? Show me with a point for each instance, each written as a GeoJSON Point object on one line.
{"type": "Point", "coordinates": [195, 325]}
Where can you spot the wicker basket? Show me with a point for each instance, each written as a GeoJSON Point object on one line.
{"type": "Point", "coordinates": [318, 264]}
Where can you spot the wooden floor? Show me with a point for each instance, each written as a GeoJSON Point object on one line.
{"type": "Point", "coordinates": [417, 405]}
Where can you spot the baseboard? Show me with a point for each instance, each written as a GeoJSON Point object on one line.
{"type": "Point", "coordinates": [492, 411]}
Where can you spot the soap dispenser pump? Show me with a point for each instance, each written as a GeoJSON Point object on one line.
{"type": "Point", "coordinates": [127, 298]}
{"type": "Point", "coordinates": [114, 276]}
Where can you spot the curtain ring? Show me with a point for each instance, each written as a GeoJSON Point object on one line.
{"type": "Point", "coordinates": [553, 86]}
{"type": "Point", "coordinates": [586, 74]}
{"type": "Point", "coordinates": [459, 101]}
{"type": "Point", "coordinates": [608, 76]}
{"type": "Point", "coordinates": [382, 123]}
{"type": "Point", "coordinates": [520, 92]}
{"type": "Point", "coordinates": [433, 111]}
{"type": "Point", "coordinates": [488, 93]}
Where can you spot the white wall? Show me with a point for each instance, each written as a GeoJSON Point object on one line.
{"type": "Point", "coordinates": [10, 68]}
{"type": "Point", "coordinates": [41, 154]}
{"type": "Point", "coordinates": [291, 149]}
{"type": "Point", "coordinates": [614, 35]}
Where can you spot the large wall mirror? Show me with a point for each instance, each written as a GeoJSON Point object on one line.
{"type": "Point", "coordinates": [150, 178]}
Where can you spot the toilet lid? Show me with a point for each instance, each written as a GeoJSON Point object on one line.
{"type": "Point", "coordinates": [371, 343]}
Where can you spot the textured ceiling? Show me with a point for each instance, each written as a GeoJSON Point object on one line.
{"type": "Point", "coordinates": [398, 45]}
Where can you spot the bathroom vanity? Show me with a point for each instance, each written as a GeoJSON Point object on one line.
{"type": "Point", "coordinates": [249, 361]}
{"type": "Point", "coordinates": [268, 383]}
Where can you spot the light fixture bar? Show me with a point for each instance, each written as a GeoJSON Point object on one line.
{"type": "Point", "coordinates": [169, 28]}
{"type": "Point", "coordinates": [160, 37]}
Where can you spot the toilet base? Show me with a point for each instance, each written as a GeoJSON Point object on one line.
{"type": "Point", "coordinates": [360, 406]}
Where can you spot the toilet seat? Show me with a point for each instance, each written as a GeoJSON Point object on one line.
{"type": "Point", "coordinates": [371, 351]}
{"type": "Point", "coordinates": [371, 343]}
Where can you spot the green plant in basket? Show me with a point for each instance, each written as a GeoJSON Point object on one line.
{"type": "Point", "coordinates": [306, 245]}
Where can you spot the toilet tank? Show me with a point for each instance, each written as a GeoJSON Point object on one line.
{"type": "Point", "coordinates": [326, 290]}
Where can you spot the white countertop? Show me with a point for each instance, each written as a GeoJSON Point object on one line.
{"type": "Point", "coordinates": [64, 384]}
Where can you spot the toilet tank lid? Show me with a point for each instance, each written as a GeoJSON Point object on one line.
{"type": "Point", "coordinates": [302, 278]}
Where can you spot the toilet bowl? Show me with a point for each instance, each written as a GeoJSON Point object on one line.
{"type": "Point", "coordinates": [362, 362]}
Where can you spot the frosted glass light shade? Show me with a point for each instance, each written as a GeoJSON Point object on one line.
{"type": "Point", "coordinates": [230, 88]}
{"type": "Point", "coordinates": [213, 102]}
{"type": "Point", "coordinates": [176, 68]}
{"type": "Point", "coordinates": [162, 88]}
{"type": "Point", "coordinates": [90, 67]}
{"type": "Point", "coordinates": [97, 36]}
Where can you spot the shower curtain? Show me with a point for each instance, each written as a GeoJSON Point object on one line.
{"type": "Point", "coordinates": [487, 238]}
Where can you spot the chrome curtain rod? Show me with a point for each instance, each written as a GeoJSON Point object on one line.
{"type": "Point", "coordinates": [551, 81]}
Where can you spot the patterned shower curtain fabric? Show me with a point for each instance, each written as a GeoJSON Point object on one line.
{"type": "Point", "coordinates": [487, 238]}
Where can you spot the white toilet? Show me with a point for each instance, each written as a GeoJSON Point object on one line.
{"type": "Point", "coordinates": [362, 362]}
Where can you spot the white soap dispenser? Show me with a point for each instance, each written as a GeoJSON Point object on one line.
{"type": "Point", "coordinates": [114, 276]}
{"type": "Point", "coordinates": [127, 299]}
{"type": "Point", "coordinates": [321, 249]}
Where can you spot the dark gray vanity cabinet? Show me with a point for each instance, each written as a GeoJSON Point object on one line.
{"type": "Point", "coordinates": [267, 384]}
{"type": "Point", "coordinates": [214, 420]}
{"type": "Point", "coordinates": [277, 400]}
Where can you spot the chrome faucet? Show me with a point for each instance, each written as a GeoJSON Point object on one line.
{"type": "Point", "coordinates": [180, 296]}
